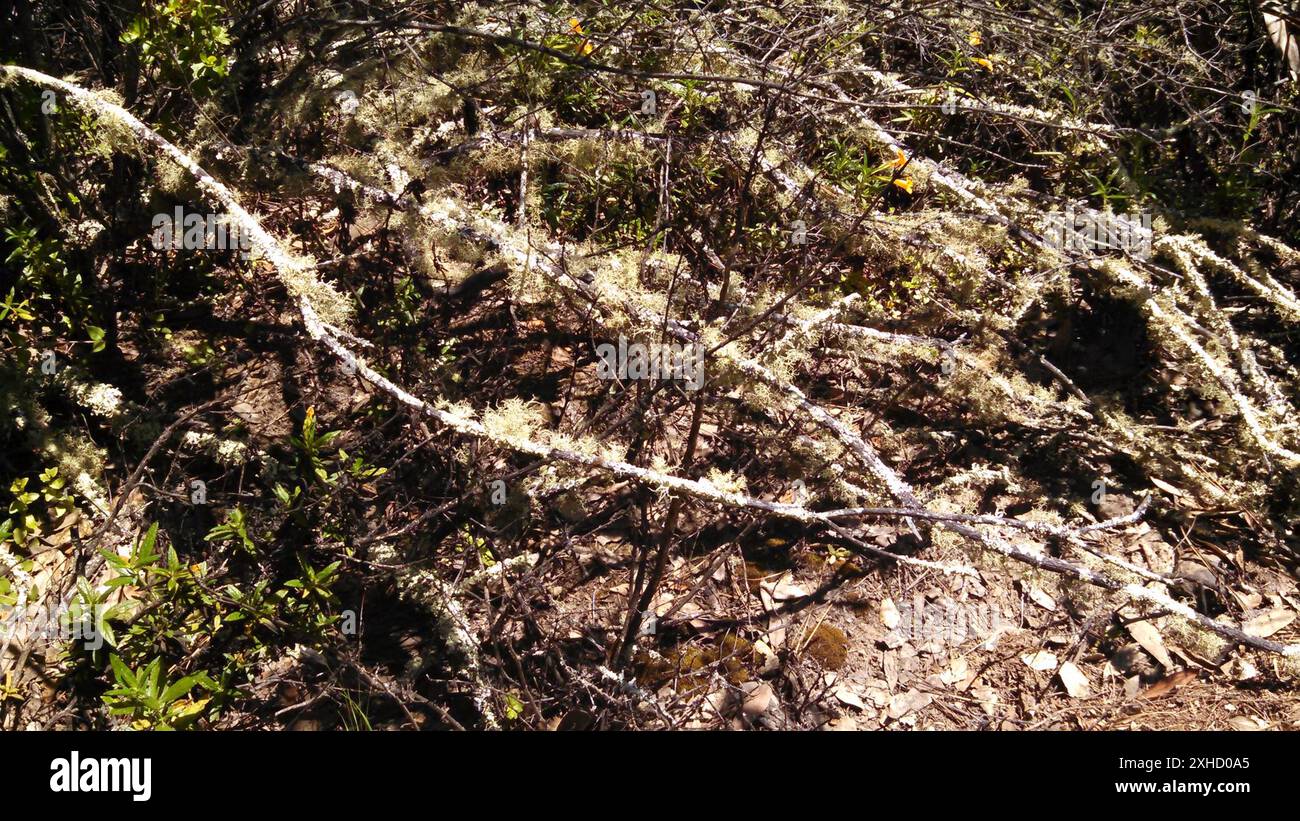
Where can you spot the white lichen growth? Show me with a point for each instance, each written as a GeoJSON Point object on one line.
{"type": "Point", "coordinates": [101, 399]}
{"type": "Point", "coordinates": [514, 422]}
{"type": "Point", "coordinates": [223, 451]}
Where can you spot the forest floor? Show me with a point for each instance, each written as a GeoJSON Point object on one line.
{"type": "Point", "coordinates": [933, 454]}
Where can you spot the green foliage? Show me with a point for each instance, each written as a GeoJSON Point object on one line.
{"type": "Point", "coordinates": [152, 703]}
{"type": "Point", "coordinates": [601, 193]}
{"type": "Point", "coordinates": [852, 168]}
{"type": "Point", "coordinates": [232, 530]}
{"type": "Point", "coordinates": [214, 628]}
{"type": "Point", "coordinates": [185, 40]}
{"type": "Point", "coordinates": [313, 587]}
{"type": "Point", "coordinates": [311, 445]}
{"type": "Point", "coordinates": [48, 288]}
{"type": "Point", "coordinates": [514, 707]}
{"type": "Point", "coordinates": [20, 311]}
{"type": "Point", "coordinates": [399, 310]}
{"type": "Point", "coordinates": [698, 104]}
{"type": "Point", "coordinates": [32, 511]}
{"type": "Point", "coordinates": [478, 545]}
{"type": "Point", "coordinates": [355, 718]}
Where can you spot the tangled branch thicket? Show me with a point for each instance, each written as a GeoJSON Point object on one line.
{"type": "Point", "coordinates": [853, 215]}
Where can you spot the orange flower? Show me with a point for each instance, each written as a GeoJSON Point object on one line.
{"type": "Point", "coordinates": [975, 38]}
{"type": "Point", "coordinates": [900, 159]}
{"type": "Point", "coordinates": [585, 47]}
{"type": "Point", "coordinates": [980, 61]}
{"type": "Point", "coordinates": [904, 183]}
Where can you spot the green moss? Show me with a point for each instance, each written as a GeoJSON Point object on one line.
{"type": "Point", "coordinates": [828, 644]}
{"type": "Point", "coordinates": [754, 576]}
{"type": "Point", "coordinates": [690, 667]}
{"type": "Point", "coordinates": [686, 668]}
{"type": "Point", "coordinates": [734, 654]}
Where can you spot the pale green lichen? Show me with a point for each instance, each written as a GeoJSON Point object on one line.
{"type": "Point", "coordinates": [514, 421]}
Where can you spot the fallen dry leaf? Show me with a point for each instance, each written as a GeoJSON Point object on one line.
{"type": "Point", "coordinates": [904, 703]}
{"type": "Point", "coordinates": [574, 720]}
{"type": "Point", "coordinates": [988, 699]}
{"type": "Point", "coordinates": [1042, 660]}
{"type": "Point", "coordinates": [1166, 487]}
{"type": "Point", "coordinates": [889, 664]}
{"type": "Point", "coordinates": [1243, 670]}
{"type": "Point", "coordinates": [878, 696]}
{"type": "Point", "coordinates": [1247, 723]}
{"type": "Point", "coordinates": [1041, 599]}
{"type": "Point", "coordinates": [1266, 624]}
{"type": "Point", "coordinates": [1075, 682]}
{"type": "Point", "coordinates": [783, 589]}
{"type": "Point", "coordinates": [1148, 637]}
{"type": "Point", "coordinates": [1131, 686]}
{"type": "Point", "coordinates": [776, 633]}
{"type": "Point", "coordinates": [1169, 683]}
{"type": "Point", "coordinates": [770, 660]}
{"type": "Point", "coordinates": [955, 673]}
{"type": "Point", "coordinates": [847, 696]}
{"type": "Point", "coordinates": [759, 701]}
{"type": "Point", "coordinates": [1249, 599]}
{"type": "Point", "coordinates": [843, 724]}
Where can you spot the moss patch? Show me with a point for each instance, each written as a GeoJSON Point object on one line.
{"type": "Point", "coordinates": [827, 644]}
{"type": "Point", "coordinates": [690, 667]}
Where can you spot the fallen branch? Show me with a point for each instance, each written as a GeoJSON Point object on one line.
{"type": "Point", "coordinates": [301, 284]}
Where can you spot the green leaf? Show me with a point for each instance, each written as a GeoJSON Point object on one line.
{"type": "Point", "coordinates": [106, 631]}
{"type": "Point", "coordinates": [154, 672]}
{"type": "Point", "coordinates": [147, 544]}
{"type": "Point", "coordinates": [122, 673]}
{"type": "Point", "coordinates": [514, 707]}
{"type": "Point", "coordinates": [178, 689]}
